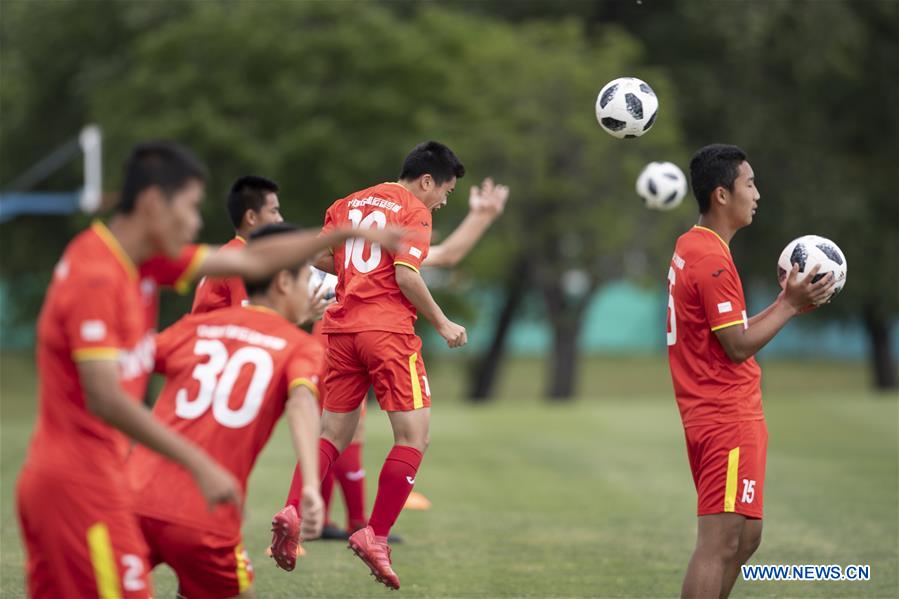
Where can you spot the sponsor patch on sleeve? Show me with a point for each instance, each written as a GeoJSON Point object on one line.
{"type": "Point", "coordinates": [724, 308]}
{"type": "Point", "coordinates": [93, 330]}
{"type": "Point", "coordinates": [415, 252]}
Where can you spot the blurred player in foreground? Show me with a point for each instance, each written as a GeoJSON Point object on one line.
{"type": "Point", "coordinates": [230, 374]}
{"type": "Point", "coordinates": [717, 382]}
{"type": "Point", "coordinates": [95, 349]}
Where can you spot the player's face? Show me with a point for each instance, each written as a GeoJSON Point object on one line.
{"type": "Point", "coordinates": [439, 194]}
{"type": "Point", "coordinates": [744, 200]}
{"type": "Point", "coordinates": [270, 212]}
{"type": "Point", "coordinates": [177, 220]}
{"type": "Point", "coordinates": [299, 296]}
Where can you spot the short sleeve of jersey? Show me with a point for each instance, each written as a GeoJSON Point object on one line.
{"type": "Point", "coordinates": [719, 292]}
{"type": "Point", "coordinates": [178, 272]}
{"type": "Point", "coordinates": [417, 243]}
{"type": "Point", "coordinates": [305, 364]}
{"type": "Point", "coordinates": [89, 320]}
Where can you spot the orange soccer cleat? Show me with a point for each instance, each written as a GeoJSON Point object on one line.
{"type": "Point", "coordinates": [285, 547]}
{"type": "Point", "coordinates": [376, 555]}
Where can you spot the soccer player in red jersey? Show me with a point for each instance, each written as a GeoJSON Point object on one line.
{"type": "Point", "coordinates": [95, 349]}
{"type": "Point", "coordinates": [371, 335]}
{"type": "Point", "coordinates": [230, 374]}
{"type": "Point", "coordinates": [711, 344]}
{"type": "Point", "coordinates": [252, 204]}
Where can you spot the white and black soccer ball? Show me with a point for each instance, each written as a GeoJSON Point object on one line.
{"type": "Point", "coordinates": [662, 185]}
{"type": "Point", "coordinates": [327, 281]}
{"type": "Point", "coordinates": [809, 250]}
{"type": "Point", "coordinates": [626, 107]}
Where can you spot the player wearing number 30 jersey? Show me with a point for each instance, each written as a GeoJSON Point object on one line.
{"type": "Point", "coordinates": [230, 374]}
{"type": "Point", "coordinates": [717, 382]}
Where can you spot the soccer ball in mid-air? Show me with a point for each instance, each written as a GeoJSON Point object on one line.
{"type": "Point", "coordinates": [662, 185]}
{"type": "Point", "coordinates": [626, 107]}
{"type": "Point", "coordinates": [322, 282]}
{"type": "Point", "coordinates": [809, 250]}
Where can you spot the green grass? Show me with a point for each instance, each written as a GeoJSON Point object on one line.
{"type": "Point", "coordinates": [587, 498]}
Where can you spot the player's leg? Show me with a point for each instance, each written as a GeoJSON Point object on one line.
{"type": "Point", "coordinates": [81, 540]}
{"type": "Point", "coordinates": [350, 474]}
{"type": "Point", "coordinates": [209, 565]}
{"type": "Point", "coordinates": [717, 543]}
{"type": "Point", "coordinates": [749, 542]}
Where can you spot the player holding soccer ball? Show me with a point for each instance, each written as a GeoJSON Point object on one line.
{"type": "Point", "coordinates": [95, 347]}
{"type": "Point", "coordinates": [717, 382]}
{"type": "Point", "coordinates": [230, 374]}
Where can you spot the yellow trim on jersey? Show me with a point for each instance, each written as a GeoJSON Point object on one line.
{"type": "Point", "coordinates": [730, 486]}
{"type": "Point", "coordinates": [95, 353]}
{"type": "Point", "coordinates": [715, 234]}
{"type": "Point", "coordinates": [303, 382]}
{"type": "Point", "coordinates": [103, 561]}
{"type": "Point", "coordinates": [727, 324]}
{"type": "Point", "coordinates": [258, 308]}
{"type": "Point", "coordinates": [243, 576]}
{"type": "Point", "coordinates": [115, 247]}
{"type": "Point", "coordinates": [182, 285]}
{"type": "Point", "coordinates": [416, 386]}
{"type": "Point", "coordinates": [406, 264]}
{"type": "Point", "coordinates": [240, 238]}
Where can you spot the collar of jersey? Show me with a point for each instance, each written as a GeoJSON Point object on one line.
{"type": "Point", "coordinates": [259, 308]}
{"type": "Point", "coordinates": [240, 237]}
{"type": "Point", "coordinates": [115, 247]}
{"type": "Point", "coordinates": [406, 190]}
{"type": "Point", "coordinates": [724, 243]}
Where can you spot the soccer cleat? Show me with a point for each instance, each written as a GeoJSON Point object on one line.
{"type": "Point", "coordinates": [285, 547]}
{"type": "Point", "coordinates": [376, 555]}
{"type": "Point", "coordinates": [417, 501]}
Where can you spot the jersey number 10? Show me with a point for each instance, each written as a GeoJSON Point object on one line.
{"type": "Point", "coordinates": [355, 247]}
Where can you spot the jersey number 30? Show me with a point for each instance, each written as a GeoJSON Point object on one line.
{"type": "Point", "coordinates": [354, 247]}
{"type": "Point", "coordinates": [217, 377]}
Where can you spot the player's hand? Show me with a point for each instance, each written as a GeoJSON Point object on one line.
{"type": "Point", "coordinates": [455, 334]}
{"type": "Point", "coordinates": [804, 295]}
{"type": "Point", "coordinates": [488, 199]}
{"type": "Point", "coordinates": [312, 514]}
{"type": "Point", "coordinates": [317, 304]}
{"type": "Point", "coordinates": [217, 485]}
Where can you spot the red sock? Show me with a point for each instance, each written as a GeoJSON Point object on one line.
{"type": "Point", "coordinates": [348, 471]}
{"type": "Point", "coordinates": [327, 491]}
{"type": "Point", "coordinates": [327, 455]}
{"type": "Point", "coordinates": [394, 485]}
{"type": "Point", "coordinates": [296, 489]}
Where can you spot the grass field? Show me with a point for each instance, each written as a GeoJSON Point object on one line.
{"type": "Point", "coordinates": [588, 498]}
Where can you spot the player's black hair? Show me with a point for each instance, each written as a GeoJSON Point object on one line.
{"type": "Point", "coordinates": [432, 158]}
{"type": "Point", "coordinates": [714, 166]}
{"type": "Point", "coordinates": [163, 164]}
{"type": "Point", "coordinates": [248, 193]}
{"type": "Point", "coordinates": [261, 286]}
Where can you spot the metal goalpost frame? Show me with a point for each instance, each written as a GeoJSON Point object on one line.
{"type": "Point", "coordinates": [18, 199]}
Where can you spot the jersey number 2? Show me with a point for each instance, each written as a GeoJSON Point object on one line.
{"type": "Point", "coordinates": [217, 377]}
{"type": "Point", "coordinates": [354, 247]}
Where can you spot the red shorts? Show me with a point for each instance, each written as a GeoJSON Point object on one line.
{"type": "Point", "coordinates": [82, 539]}
{"type": "Point", "coordinates": [390, 361]}
{"type": "Point", "coordinates": [728, 465]}
{"type": "Point", "coordinates": [207, 564]}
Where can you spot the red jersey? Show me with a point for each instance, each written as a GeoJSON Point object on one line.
{"type": "Point", "coordinates": [705, 295]}
{"type": "Point", "coordinates": [228, 375]}
{"type": "Point", "coordinates": [98, 305]}
{"type": "Point", "coordinates": [368, 297]}
{"type": "Point", "coordinates": [217, 293]}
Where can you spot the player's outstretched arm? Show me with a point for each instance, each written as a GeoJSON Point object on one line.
{"type": "Point", "coordinates": [741, 344]}
{"type": "Point", "coordinates": [415, 290]}
{"type": "Point", "coordinates": [265, 256]}
{"type": "Point", "coordinates": [485, 204]}
{"type": "Point", "coordinates": [106, 400]}
{"type": "Point", "coordinates": [303, 419]}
